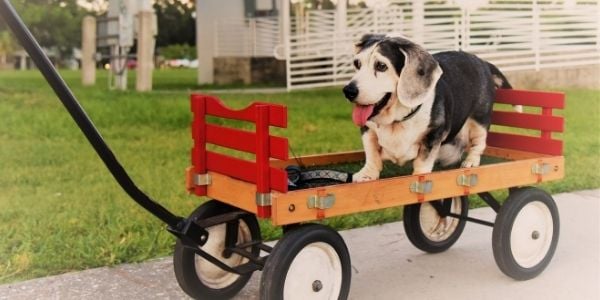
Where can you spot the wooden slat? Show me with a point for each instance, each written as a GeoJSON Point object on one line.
{"type": "Point", "coordinates": [528, 121]}
{"type": "Point", "coordinates": [231, 166]}
{"type": "Point", "coordinates": [321, 159]}
{"type": "Point", "coordinates": [510, 154]}
{"type": "Point", "coordinates": [244, 141]}
{"type": "Point", "coordinates": [531, 98]}
{"type": "Point", "coordinates": [525, 143]}
{"type": "Point", "coordinates": [237, 193]}
{"type": "Point", "coordinates": [243, 170]}
{"type": "Point", "coordinates": [279, 180]}
{"type": "Point", "coordinates": [383, 193]}
{"type": "Point", "coordinates": [277, 113]}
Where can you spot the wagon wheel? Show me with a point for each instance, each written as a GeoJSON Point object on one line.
{"type": "Point", "coordinates": [525, 233]}
{"type": "Point", "coordinates": [200, 278]}
{"type": "Point", "coordinates": [428, 227]}
{"type": "Point", "coordinates": [310, 262]}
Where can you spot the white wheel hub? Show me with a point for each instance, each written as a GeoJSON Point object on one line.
{"type": "Point", "coordinates": [433, 226]}
{"type": "Point", "coordinates": [315, 273]}
{"type": "Point", "coordinates": [208, 273]}
{"type": "Point", "coordinates": [531, 234]}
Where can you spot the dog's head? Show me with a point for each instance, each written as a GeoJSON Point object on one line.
{"type": "Point", "coordinates": [389, 70]}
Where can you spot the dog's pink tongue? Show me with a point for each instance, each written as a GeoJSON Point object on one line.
{"type": "Point", "coordinates": [361, 113]}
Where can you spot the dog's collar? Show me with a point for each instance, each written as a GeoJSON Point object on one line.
{"type": "Point", "coordinates": [411, 114]}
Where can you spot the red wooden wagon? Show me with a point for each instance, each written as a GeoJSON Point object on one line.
{"type": "Point", "coordinates": [219, 245]}
{"type": "Point", "coordinates": [311, 260]}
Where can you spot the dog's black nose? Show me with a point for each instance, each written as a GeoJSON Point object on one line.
{"type": "Point", "coordinates": [351, 91]}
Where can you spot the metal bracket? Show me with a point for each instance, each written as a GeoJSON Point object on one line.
{"type": "Point", "coordinates": [263, 199]}
{"type": "Point", "coordinates": [202, 179]}
{"type": "Point", "coordinates": [421, 187]}
{"type": "Point", "coordinates": [467, 180]}
{"type": "Point", "coordinates": [541, 168]}
{"type": "Point", "coordinates": [321, 202]}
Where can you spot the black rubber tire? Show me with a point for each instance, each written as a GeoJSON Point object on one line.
{"type": "Point", "coordinates": [184, 263]}
{"type": "Point", "coordinates": [501, 236]}
{"type": "Point", "coordinates": [415, 234]}
{"type": "Point", "coordinates": [285, 251]}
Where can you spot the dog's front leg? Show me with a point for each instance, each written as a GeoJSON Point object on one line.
{"type": "Point", "coordinates": [373, 163]}
{"type": "Point", "coordinates": [477, 137]}
{"type": "Point", "coordinates": [425, 159]}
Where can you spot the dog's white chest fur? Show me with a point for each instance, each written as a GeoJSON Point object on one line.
{"type": "Point", "coordinates": [400, 141]}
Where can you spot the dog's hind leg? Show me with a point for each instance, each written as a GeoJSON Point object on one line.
{"type": "Point", "coordinates": [425, 159]}
{"type": "Point", "coordinates": [477, 141]}
{"type": "Point", "coordinates": [373, 163]}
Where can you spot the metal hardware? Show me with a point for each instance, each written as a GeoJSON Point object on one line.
{"type": "Point", "coordinates": [263, 199]}
{"type": "Point", "coordinates": [202, 179]}
{"type": "Point", "coordinates": [321, 202]}
{"type": "Point", "coordinates": [467, 180]}
{"type": "Point", "coordinates": [541, 169]}
{"type": "Point", "coordinates": [421, 187]}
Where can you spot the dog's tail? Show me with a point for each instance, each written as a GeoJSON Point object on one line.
{"type": "Point", "coordinates": [501, 82]}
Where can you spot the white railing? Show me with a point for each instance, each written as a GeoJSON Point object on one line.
{"type": "Point", "coordinates": [513, 34]}
{"type": "Point", "coordinates": [246, 37]}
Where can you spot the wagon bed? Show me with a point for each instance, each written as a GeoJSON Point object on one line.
{"type": "Point", "coordinates": [260, 187]}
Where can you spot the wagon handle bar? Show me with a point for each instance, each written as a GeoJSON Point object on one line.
{"type": "Point", "coordinates": [80, 117]}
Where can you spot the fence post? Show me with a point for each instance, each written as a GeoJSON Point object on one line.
{"type": "Point", "coordinates": [418, 21]}
{"type": "Point", "coordinates": [88, 51]}
{"type": "Point", "coordinates": [253, 35]}
{"type": "Point", "coordinates": [465, 30]}
{"type": "Point", "coordinates": [598, 26]}
{"type": "Point", "coordinates": [286, 35]}
{"type": "Point", "coordinates": [536, 33]}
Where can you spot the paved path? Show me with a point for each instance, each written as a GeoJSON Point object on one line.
{"type": "Point", "coordinates": [385, 266]}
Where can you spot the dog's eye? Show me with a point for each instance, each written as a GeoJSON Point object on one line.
{"type": "Point", "coordinates": [357, 64]}
{"type": "Point", "coordinates": [380, 67]}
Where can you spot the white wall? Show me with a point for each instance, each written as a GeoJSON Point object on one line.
{"type": "Point", "coordinates": [207, 11]}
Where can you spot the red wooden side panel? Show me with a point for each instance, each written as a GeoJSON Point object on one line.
{"type": "Point", "coordinates": [531, 98]}
{"type": "Point", "coordinates": [244, 170]}
{"type": "Point", "coordinates": [528, 121]}
{"type": "Point", "coordinates": [260, 143]}
{"type": "Point", "coordinates": [525, 143]}
{"type": "Point", "coordinates": [245, 141]}
{"type": "Point", "coordinates": [277, 113]}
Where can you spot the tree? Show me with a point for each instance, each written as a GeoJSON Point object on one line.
{"type": "Point", "coordinates": [56, 24]}
{"type": "Point", "coordinates": [7, 46]}
{"type": "Point", "coordinates": [176, 22]}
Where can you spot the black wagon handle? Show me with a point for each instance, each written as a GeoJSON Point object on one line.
{"type": "Point", "coordinates": [80, 117]}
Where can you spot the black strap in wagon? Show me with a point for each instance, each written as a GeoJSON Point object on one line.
{"type": "Point", "coordinates": [299, 178]}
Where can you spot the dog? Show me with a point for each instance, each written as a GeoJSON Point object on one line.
{"type": "Point", "coordinates": [414, 106]}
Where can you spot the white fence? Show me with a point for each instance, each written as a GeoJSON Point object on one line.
{"type": "Point", "coordinates": [513, 34]}
{"type": "Point", "coordinates": [246, 37]}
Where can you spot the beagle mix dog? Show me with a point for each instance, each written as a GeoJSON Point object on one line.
{"type": "Point", "coordinates": [414, 106]}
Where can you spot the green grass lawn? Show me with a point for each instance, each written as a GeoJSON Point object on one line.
{"type": "Point", "coordinates": [60, 210]}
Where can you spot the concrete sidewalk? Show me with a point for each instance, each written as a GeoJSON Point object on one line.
{"type": "Point", "coordinates": [385, 266]}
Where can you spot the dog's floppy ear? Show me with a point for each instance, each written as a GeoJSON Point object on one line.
{"type": "Point", "coordinates": [419, 76]}
{"type": "Point", "coordinates": [367, 41]}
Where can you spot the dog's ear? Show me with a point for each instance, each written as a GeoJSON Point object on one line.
{"type": "Point", "coordinates": [367, 41]}
{"type": "Point", "coordinates": [419, 76]}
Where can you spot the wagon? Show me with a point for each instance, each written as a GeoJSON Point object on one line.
{"type": "Point", "coordinates": [219, 245]}
{"type": "Point", "coordinates": [311, 260]}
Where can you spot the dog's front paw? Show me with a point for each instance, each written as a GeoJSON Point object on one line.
{"type": "Point", "coordinates": [471, 162]}
{"type": "Point", "coordinates": [364, 176]}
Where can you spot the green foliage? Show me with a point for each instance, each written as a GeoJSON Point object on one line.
{"type": "Point", "coordinates": [55, 24]}
{"type": "Point", "coordinates": [178, 51]}
{"type": "Point", "coordinates": [60, 210]}
{"type": "Point", "coordinates": [176, 24]}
